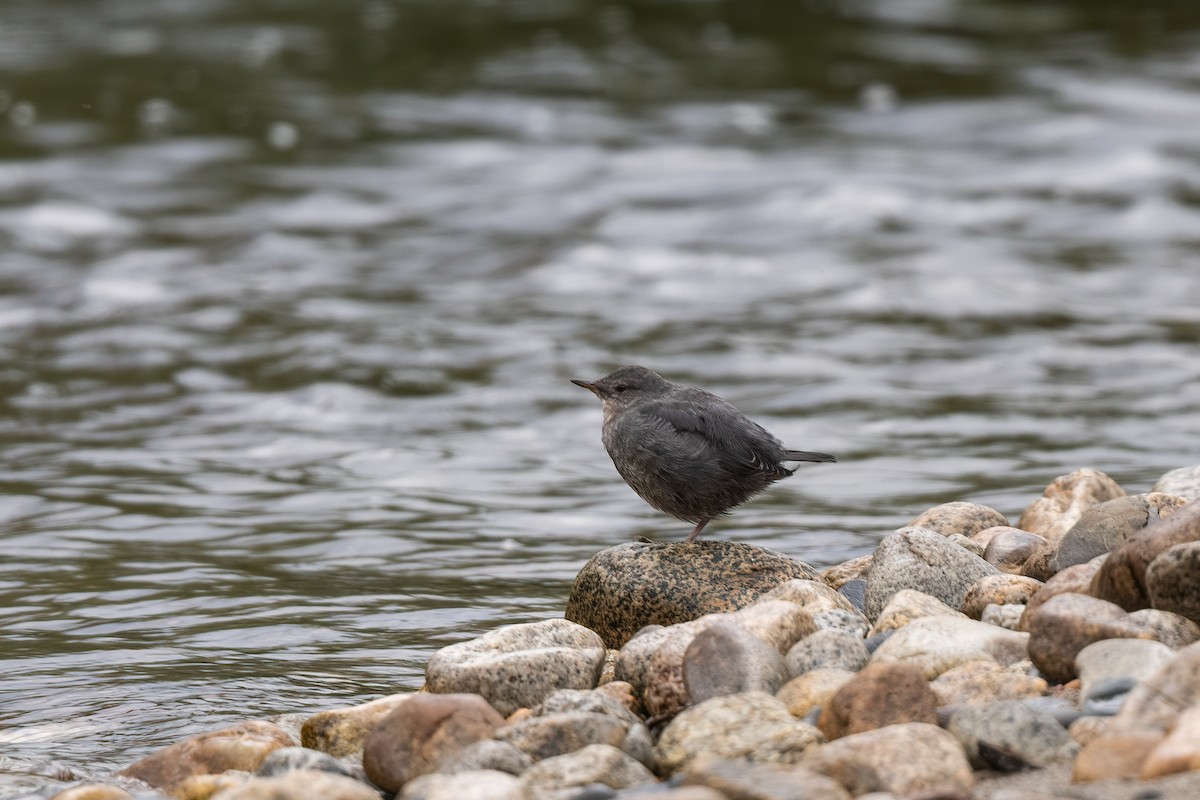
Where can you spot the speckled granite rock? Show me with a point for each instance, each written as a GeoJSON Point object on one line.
{"type": "Point", "coordinates": [1072, 580]}
{"type": "Point", "coordinates": [564, 732]}
{"type": "Point", "coordinates": [487, 755]}
{"type": "Point", "coordinates": [998, 590]}
{"type": "Point", "coordinates": [1108, 525]}
{"type": "Point", "coordinates": [596, 763]}
{"type": "Point", "coordinates": [745, 781]}
{"type": "Point", "coordinates": [805, 693]}
{"type": "Point", "coordinates": [474, 785]}
{"type": "Point", "coordinates": [1065, 500]}
{"type": "Point", "coordinates": [1183, 482]}
{"type": "Point", "coordinates": [518, 666]}
{"type": "Point", "coordinates": [907, 605]}
{"type": "Point", "coordinates": [964, 519]}
{"type": "Point", "coordinates": [340, 731]}
{"type": "Point", "coordinates": [301, 784]}
{"type": "Point", "coordinates": [915, 558]}
{"type": "Point", "coordinates": [1010, 735]}
{"type": "Point", "coordinates": [978, 682]}
{"type": "Point", "coordinates": [241, 747]}
{"type": "Point", "coordinates": [813, 596]}
{"type": "Point", "coordinates": [827, 649]}
{"type": "Point", "coordinates": [625, 588]}
{"type": "Point", "coordinates": [839, 574]}
{"type": "Point", "coordinates": [1173, 580]}
{"type": "Point", "coordinates": [907, 760]}
{"type": "Point", "coordinates": [289, 759]}
{"type": "Point", "coordinates": [937, 644]}
{"type": "Point", "coordinates": [881, 694]}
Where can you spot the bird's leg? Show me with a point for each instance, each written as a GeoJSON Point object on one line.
{"type": "Point", "coordinates": [696, 530]}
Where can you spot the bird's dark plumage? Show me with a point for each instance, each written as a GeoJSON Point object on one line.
{"type": "Point", "coordinates": [686, 451]}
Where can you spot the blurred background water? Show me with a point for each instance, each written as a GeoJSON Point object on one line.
{"type": "Point", "coordinates": [290, 294]}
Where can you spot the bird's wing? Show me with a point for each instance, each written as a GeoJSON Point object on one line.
{"type": "Point", "coordinates": [720, 432]}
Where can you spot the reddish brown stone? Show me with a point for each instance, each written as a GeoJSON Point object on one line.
{"type": "Point", "coordinates": [1067, 623]}
{"type": "Point", "coordinates": [1074, 580]}
{"type": "Point", "coordinates": [879, 695]}
{"type": "Point", "coordinates": [1122, 579]}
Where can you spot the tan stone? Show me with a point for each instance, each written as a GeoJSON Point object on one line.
{"type": "Point", "coordinates": [93, 791]}
{"type": "Point", "coordinates": [812, 690]}
{"type": "Point", "coordinates": [1179, 751]}
{"type": "Point", "coordinates": [340, 731]}
{"type": "Point", "coordinates": [907, 605]}
{"type": "Point", "coordinates": [242, 746]}
{"type": "Point", "coordinates": [1114, 755]}
{"type": "Point", "coordinates": [1065, 500]}
{"type": "Point", "coordinates": [1000, 590]}
{"type": "Point", "coordinates": [979, 682]}
{"type": "Point", "coordinates": [906, 760]}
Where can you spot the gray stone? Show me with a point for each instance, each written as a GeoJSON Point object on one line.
{"type": "Point", "coordinates": [740, 780]}
{"type": "Point", "coordinates": [1008, 549]}
{"type": "Point", "coordinates": [1010, 735]}
{"type": "Point", "coordinates": [625, 588]}
{"type": "Point", "coordinates": [827, 649]}
{"type": "Point", "coordinates": [1182, 482]}
{"type": "Point", "coordinates": [1173, 580]}
{"type": "Point", "coordinates": [596, 763]}
{"type": "Point", "coordinates": [488, 755]}
{"type": "Point", "coordinates": [1121, 579]}
{"type": "Point", "coordinates": [1008, 615]}
{"type": "Point", "coordinates": [1064, 501]}
{"type": "Point", "coordinates": [726, 659]}
{"type": "Point", "coordinates": [563, 732]}
{"type": "Point", "coordinates": [301, 784]}
{"type": "Point", "coordinates": [594, 700]}
{"type": "Point", "coordinates": [286, 759]}
{"type": "Point", "coordinates": [1106, 526]}
{"type": "Point", "coordinates": [852, 622]}
{"type": "Point", "coordinates": [473, 785]}
{"type": "Point", "coordinates": [915, 558]}
{"type": "Point", "coordinates": [518, 666]}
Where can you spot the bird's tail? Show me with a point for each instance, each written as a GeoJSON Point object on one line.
{"type": "Point", "coordinates": [807, 455]}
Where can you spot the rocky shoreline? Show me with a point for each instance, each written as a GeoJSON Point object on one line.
{"type": "Point", "coordinates": [1058, 657]}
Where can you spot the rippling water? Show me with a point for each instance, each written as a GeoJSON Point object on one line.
{"type": "Point", "coordinates": [291, 298]}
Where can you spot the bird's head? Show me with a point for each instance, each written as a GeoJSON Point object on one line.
{"type": "Point", "coordinates": [626, 386]}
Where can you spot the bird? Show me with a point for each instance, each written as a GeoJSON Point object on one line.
{"type": "Point", "coordinates": [686, 451]}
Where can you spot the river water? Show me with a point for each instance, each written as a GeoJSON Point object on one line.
{"type": "Point", "coordinates": [292, 293]}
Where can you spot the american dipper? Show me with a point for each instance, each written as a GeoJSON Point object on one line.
{"type": "Point", "coordinates": [686, 451]}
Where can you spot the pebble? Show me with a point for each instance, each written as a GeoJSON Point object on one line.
{"type": "Point", "coordinates": [288, 759]}
{"type": "Point", "coordinates": [1000, 590]}
{"type": "Point", "coordinates": [596, 763]}
{"type": "Point", "coordinates": [1109, 669]}
{"type": "Point", "coordinates": [915, 558]}
{"type": "Point", "coordinates": [838, 575]}
{"type": "Point", "coordinates": [564, 732]}
{"type": "Point", "coordinates": [1121, 579]}
{"type": "Point", "coordinates": [1173, 580]}
{"type": "Point", "coordinates": [879, 695]}
{"type": "Point", "coordinates": [726, 659]}
{"type": "Point", "coordinates": [1009, 549]}
{"type": "Point", "coordinates": [808, 692]}
{"type": "Point", "coordinates": [488, 755]}
{"type": "Point", "coordinates": [1009, 735]}
{"type": "Point", "coordinates": [907, 605]}
{"type": "Point", "coordinates": [937, 644]}
{"type": "Point", "coordinates": [238, 747]}
{"type": "Point", "coordinates": [906, 760]}
{"type": "Point", "coordinates": [826, 649]}
{"type": "Point", "coordinates": [1007, 616]}
{"type": "Point", "coordinates": [623, 589]}
{"type": "Point", "coordinates": [1064, 501]}
{"type": "Point", "coordinates": [739, 779]}
{"type": "Point", "coordinates": [1072, 580]}
{"type": "Point", "coordinates": [981, 682]}
{"type": "Point", "coordinates": [811, 595]}
{"type": "Point", "coordinates": [483, 784]}
{"type": "Point", "coordinates": [852, 622]}
{"type": "Point", "coordinates": [754, 726]}
{"type": "Point", "coordinates": [340, 731]}
{"type": "Point", "coordinates": [1109, 525]}
{"type": "Point", "coordinates": [518, 666]}
{"type": "Point", "coordinates": [300, 784]}
{"type": "Point", "coordinates": [1183, 482]}
{"type": "Point", "coordinates": [959, 518]}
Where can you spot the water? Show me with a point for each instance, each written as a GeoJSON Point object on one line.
{"type": "Point", "coordinates": [292, 294]}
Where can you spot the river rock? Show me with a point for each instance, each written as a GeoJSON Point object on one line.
{"type": "Point", "coordinates": [242, 747]}
{"type": "Point", "coordinates": [813, 596]}
{"type": "Point", "coordinates": [1008, 615]}
{"type": "Point", "coordinates": [839, 574]}
{"type": "Point", "coordinates": [301, 784]}
{"type": "Point", "coordinates": [726, 659]}
{"type": "Point", "coordinates": [1009, 735]}
{"type": "Point", "coordinates": [980, 682]}
{"type": "Point", "coordinates": [963, 519]}
{"type": "Point", "coordinates": [1072, 580]}
{"type": "Point", "coordinates": [906, 760]}
{"type": "Point", "coordinates": [1173, 580]}
{"type": "Point", "coordinates": [1114, 755]}
{"type": "Point", "coordinates": [1108, 525]}
{"type": "Point", "coordinates": [564, 732]}
{"type": "Point", "coordinates": [289, 759]}
{"type": "Point", "coordinates": [827, 649]}
{"type": "Point", "coordinates": [1179, 751]}
{"type": "Point", "coordinates": [998, 590]}
{"type": "Point", "coordinates": [93, 791]}
{"type": "Point", "coordinates": [1182, 482]}
{"type": "Point", "coordinates": [1067, 623]}
{"type": "Point", "coordinates": [1009, 549]}
{"type": "Point", "coordinates": [739, 780]}
{"type": "Point", "coordinates": [937, 644]}
{"type": "Point", "coordinates": [808, 692]}
{"type": "Point", "coordinates": [907, 605]}
{"type": "Point", "coordinates": [596, 763]}
{"type": "Point", "coordinates": [625, 588]}
{"type": "Point", "coordinates": [518, 666]}
{"type": "Point", "coordinates": [595, 700]}
{"type": "Point", "coordinates": [1122, 577]}
{"type": "Point", "coordinates": [1156, 701]}
{"type": "Point", "coordinates": [779, 623]}
{"type": "Point", "coordinates": [754, 726]}
{"type": "Point", "coordinates": [340, 731]}
{"type": "Point", "coordinates": [422, 734]}
{"type": "Point", "coordinates": [881, 694]}
{"type": "Point", "coordinates": [1064, 501]}
{"type": "Point", "coordinates": [481, 784]}
{"type": "Point", "coordinates": [487, 755]}
{"type": "Point", "coordinates": [915, 558]}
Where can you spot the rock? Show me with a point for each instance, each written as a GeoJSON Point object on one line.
{"type": "Point", "coordinates": [879, 695]}
{"type": "Point", "coordinates": [753, 726]}
{"type": "Point", "coordinates": [1008, 549]}
{"type": "Point", "coordinates": [914, 558]}
{"type": "Point", "coordinates": [481, 784]}
{"type": "Point", "coordinates": [937, 644]}
{"type": "Point", "coordinates": [1108, 525]}
{"type": "Point", "coordinates": [93, 791]}
{"type": "Point", "coordinates": [1064, 501]}
{"type": "Point", "coordinates": [1183, 482]}
{"type": "Point", "coordinates": [1008, 615]}
{"type": "Point", "coordinates": [518, 666]}
{"type": "Point", "coordinates": [625, 588]}
{"type": "Point", "coordinates": [964, 519]}
{"type": "Point", "coordinates": [622, 692]}
{"type": "Point", "coordinates": [661, 792]}
{"type": "Point", "coordinates": [1110, 668]}
{"type": "Point", "coordinates": [1173, 580]}
{"type": "Point", "coordinates": [1121, 579]}
{"type": "Point", "coordinates": [725, 659]}
{"type": "Point", "coordinates": [856, 592]}
{"type": "Point", "coordinates": [204, 787]}
{"type": "Point", "coordinates": [1179, 751]}
{"type": "Point", "coordinates": [907, 605]}
{"type": "Point", "coordinates": [813, 689]}
{"type": "Point", "coordinates": [777, 622]}
{"type": "Point", "coordinates": [1072, 580]}
{"type": "Point", "coordinates": [594, 700]}
{"type": "Point", "coordinates": [1009, 735]}
{"type": "Point", "coordinates": [813, 596]}
{"type": "Point", "coordinates": [738, 780]}
{"type": "Point", "coordinates": [906, 760]}
{"type": "Point", "coordinates": [998, 590]}
{"type": "Point", "coordinates": [487, 755]}
{"type": "Point", "coordinates": [826, 649]}
{"type": "Point", "coordinates": [288, 759]}
{"type": "Point", "coordinates": [301, 784]}
{"type": "Point", "coordinates": [340, 731]}
{"type": "Point", "coordinates": [851, 622]}
{"type": "Point", "coordinates": [1156, 701]}
{"type": "Point", "coordinates": [855, 569]}
{"type": "Point", "coordinates": [563, 732]}
{"type": "Point", "coordinates": [422, 734]}
{"type": "Point", "coordinates": [1086, 728]}
{"type": "Point", "coordinates": [1112, 755]}
{"type": "Point", "coordinates": [242, 746]}
{"type": "Point", "coordinates": [980, 682]}
{"type": "Point", "coordinates": [596, 763]}
{"type": "Point", "coordinates": [1067, 623]}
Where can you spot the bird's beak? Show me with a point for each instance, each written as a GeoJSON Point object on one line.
{"type": "Point", "coordinates": [591, 387]}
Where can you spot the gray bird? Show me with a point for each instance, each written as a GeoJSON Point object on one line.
{"type": "Point", "coordinates": [686, 451]}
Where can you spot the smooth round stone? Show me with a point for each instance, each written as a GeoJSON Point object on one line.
{"type": "Point", "coordinates": [238, 747]}
{"type": "Point", "coordinates": [1173, 580]}
{"type": "Point", "coordinates": [907, 605]}
{"type": "Point", "coordinates": [808, 692]}
{"type": "Point", "coordinates": [915, 558]}
{"type": "Point", "coordinates": [879, 695]}
{"type": "Point", "coordinates": [92, 791]}
{"type": "Point", "coordinates": [1064, 501]}
{"type": "Point", "coordinates": [474, 785]}
{"type": "Point", "coordinates": [1182, 482]}
{"type": "Point", "coordinates": [596, 763]}
{"type": "Point", "coordinates": [762, 781]}
{"type": "Point", "coordinates": [301, 784]}
{"type": "Point", "coordinates": [563, 732]}
{"type": "Point", "coordinates": [1121, 579]}
{"type": "Point", "coordinates": [855, 569]}
{"type": "Point", "coordinates": [1009, 549]}
{"type": "Point", "coordinates": [487, 755]}
{"type": "Point", "coordinates": [961, 518]}
{"type": "Point", "coordinates": [907, 760]}
{"type": "Point", "coordinates": [1108, 525]}
{"type": "Point", "coordinates": [340, 732]}
{"type": "Point", "coordinates": [287, 759]}
{"type": "Point", "coordinates": [596, 700]}
{"type": "Point", "coordinates": [812, 595]}
{"type": "Point", "coordinates": [827, 649]}
{"type": "Point", "coordinates": [981, 682]}
{"type": "Point", "coordinates": [998, 590]}
{"type": "Point", "coordinates": [1072, 580]}
{"type": "Point", "coordinates": [851, 622]}
{"type": "Point", "coordinates": [937, 644]}
{"type": "Point", "coordinates": [1010, 735]}
{"type": "Point", "coordinates": [518, 666]}
{"type": "Point", "coordinates": [625, 588]}
{"type": "Point", "coordinates": [726, 659]}
{"type": "Point", "coordinates": [752, 726]}
{"type": "Point", "coordinates": [1179, 751]}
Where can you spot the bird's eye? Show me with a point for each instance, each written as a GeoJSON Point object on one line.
{"type": "Point", "coordinates": [620, 387]}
